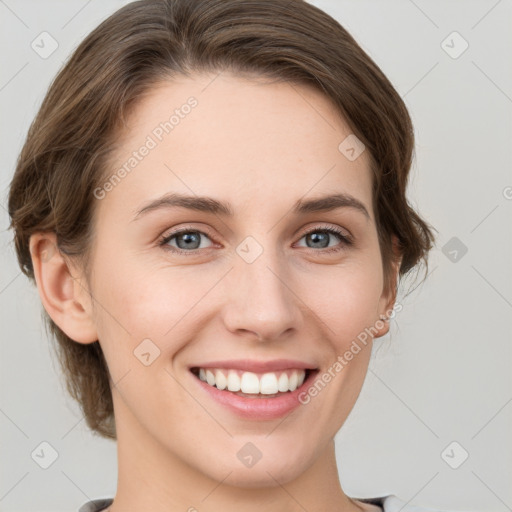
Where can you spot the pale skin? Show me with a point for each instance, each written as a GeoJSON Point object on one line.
{"type": "Point", "coordinates": [260, 147]}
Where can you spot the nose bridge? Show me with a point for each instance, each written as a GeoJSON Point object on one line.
{"type": "Point", "coordinates": [259, 297]}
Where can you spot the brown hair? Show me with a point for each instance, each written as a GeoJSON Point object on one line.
{"type": "Point", "coordinates": [65, 155]}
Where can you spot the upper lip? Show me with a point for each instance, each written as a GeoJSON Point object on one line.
{"type": "Point", "coordinates": [252, 365]}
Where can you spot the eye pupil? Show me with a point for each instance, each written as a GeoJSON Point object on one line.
{"type": "Point", "coordinates": [317, 236]}
{"type": "Point", "coordinates": [188, 237]}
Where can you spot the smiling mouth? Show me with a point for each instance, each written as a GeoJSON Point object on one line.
{"type": "Point", "coordinates": [254, 385]}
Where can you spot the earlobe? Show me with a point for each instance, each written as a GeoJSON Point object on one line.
{"type": "Point", "coordinates": [63, 296]}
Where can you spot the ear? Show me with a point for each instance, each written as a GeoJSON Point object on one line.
{"type": "Point", "coordinates": [64, 297]}
{"type": "Point", "coordinates": [387, 301]}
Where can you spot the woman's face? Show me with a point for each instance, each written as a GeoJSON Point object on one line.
{"type": "Point", "coordinates": [243, 289]}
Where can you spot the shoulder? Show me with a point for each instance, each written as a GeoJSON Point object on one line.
{"type": "Point", "coordinates": [392, 503]}
{"type": "Point", "coordinates": [96, 505]}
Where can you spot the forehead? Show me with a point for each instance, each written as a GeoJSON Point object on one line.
{"type": "Point", "coordinates": [242, 140]}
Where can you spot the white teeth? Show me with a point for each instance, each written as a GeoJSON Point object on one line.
{"type": "Point", "coordinates": [233, 381]}
{"type": "Point", "coordinates": [250, 383]}
{"type": "Point", "coordinates": [220, 380]}
{"type": "Point", "coordinates": [210, 378]}
{"type": "Point", "coordinates": [293, 381]}
{"type": "Point", "coordinates": [282, 384]}
{"type": "Point", "coordinates": [267, 384]}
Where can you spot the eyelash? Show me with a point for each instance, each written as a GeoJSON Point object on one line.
{"type": "Point", "coordinates": [346, 240]}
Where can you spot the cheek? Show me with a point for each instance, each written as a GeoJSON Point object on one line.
{"type": "Point", "coordinates": [130, 295]}
{"type": "Point", "coordinates": [136, 302]}
{"type": "Point", "coordinates": [346, 299]}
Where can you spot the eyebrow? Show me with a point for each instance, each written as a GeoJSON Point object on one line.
{"type": "Point", "coordinates": [214, 206]}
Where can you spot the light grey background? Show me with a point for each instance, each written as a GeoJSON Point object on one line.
{"type": "Point", "coordinates": [442, 375]}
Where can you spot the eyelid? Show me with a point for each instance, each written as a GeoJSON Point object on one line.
{"type": "Point", "coordinates": [345, 233]}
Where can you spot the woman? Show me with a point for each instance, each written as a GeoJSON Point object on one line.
{"type": "Point", "coordinates": [260, 131]}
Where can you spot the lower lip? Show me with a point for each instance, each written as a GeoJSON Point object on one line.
{"type": "Point", "coordinates": [257, 408]}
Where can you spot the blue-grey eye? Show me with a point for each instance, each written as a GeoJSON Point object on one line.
{"type": "Point", "coordinates": [186, 240]}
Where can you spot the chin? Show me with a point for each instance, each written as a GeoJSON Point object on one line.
{"type": "Point", "coordinates": [278, 468]}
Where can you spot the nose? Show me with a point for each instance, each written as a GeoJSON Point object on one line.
{"type": "Point", "coordinates": [259, 300]}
